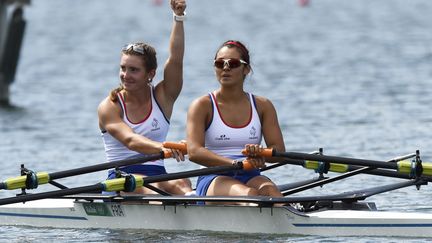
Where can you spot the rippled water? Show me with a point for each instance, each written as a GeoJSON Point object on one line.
{"type": "Point", "coordinates": [352, 77]}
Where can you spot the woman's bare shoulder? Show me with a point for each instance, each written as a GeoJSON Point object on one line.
{"type": "Point", "coordinates": [262, 101]}
{"type": "Point", "coordinates": [201, 101]}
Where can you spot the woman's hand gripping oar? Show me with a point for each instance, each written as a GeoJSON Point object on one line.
{"type": "Point", "coordinates": [182, 147]}
{"type": "Point", "coordinates": [176, 150]}
{"type": "Point", "coordinates": [254, 158]}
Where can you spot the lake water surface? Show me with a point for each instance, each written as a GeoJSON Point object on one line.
{"type": "Point", "coordinates": [352, 77]}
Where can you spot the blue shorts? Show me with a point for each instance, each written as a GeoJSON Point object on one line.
{"type": "Point", "coordinates": [147, 170]}
{"type": "Point", "coordinates": [204, 182]}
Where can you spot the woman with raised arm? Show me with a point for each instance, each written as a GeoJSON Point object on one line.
{"type": "Point", "coordinates": [226, 121]}
{"type": "Point", "coordinates": [134, 118]}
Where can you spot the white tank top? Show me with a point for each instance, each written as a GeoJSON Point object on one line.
{"type": "Point", "coordinates": [155, 127]}
{"type": "Point", "coordinates": [229, 141]}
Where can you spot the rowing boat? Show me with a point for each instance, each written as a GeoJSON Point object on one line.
{"type": "Point", "coordinates": [344, 214]}
{"type": "Point", "coordinates": [339, 220]}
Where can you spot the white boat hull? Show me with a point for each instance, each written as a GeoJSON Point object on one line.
{"type": "Point", "coordinates": [66, 213]}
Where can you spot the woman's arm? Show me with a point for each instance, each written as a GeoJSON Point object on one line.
{"type": "Point", "coordinates": [270, 126]}
{"type": "Point", "coordinates": [110, 120]}
{"type": "Point", "coordinates": [197, 118]}
{"type": "Point", "coordinates": [169, 88]}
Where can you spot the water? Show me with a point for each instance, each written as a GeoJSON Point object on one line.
{"type": "Point", "coordinates": [352, 77]}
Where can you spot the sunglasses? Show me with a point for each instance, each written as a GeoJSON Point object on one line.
{"type": "Point", "coordinates": [232, 63]}
{"type": "Point", "coordinates": [134, 47]}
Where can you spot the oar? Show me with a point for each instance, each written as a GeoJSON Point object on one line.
{"type": "Point", "coordinates": [275, 165]}
{"type": "Point", "coordinates": [340, 177]}
{"type": "Point", "coordinates": [129, 183]}
{"type": "Point", "coordinates": [404, 167]}
{"type": "Point", "coordinates": [349, 166]}
{"type": "Point", "coordinates": [342, 168]}
{"type": "Point", "coordinates": [32, 179]}
{"type": "Point", "coordinates": [339, 164]}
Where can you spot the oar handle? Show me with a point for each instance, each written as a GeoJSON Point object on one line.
{"type": "Point", "coordinates": [174, 145]}
{"type": "Point", "coordinates": [246, 165]}
{"type": "Point", "coordinates": [268, 152]}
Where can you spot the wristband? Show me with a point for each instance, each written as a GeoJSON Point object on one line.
{"type": "Point", "coordinates": [179, 18]}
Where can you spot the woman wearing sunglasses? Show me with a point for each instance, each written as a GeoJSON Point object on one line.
{"type": "Point", "coordinates": [134, 118]}
{"type": "Point", "coordinates": [226, 121]}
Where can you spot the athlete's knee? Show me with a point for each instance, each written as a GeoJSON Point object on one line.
{"type": "Point", "coordinates": [184, 183]}
{"type": "Point", "coordinates": [270, 190]}
{"type": "Point", "coordinates": [252, 192]}
{"type": "Point", "coordinates": [180, 186]}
